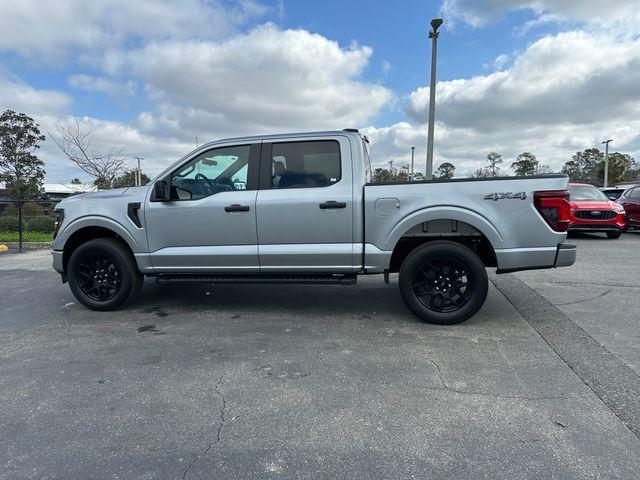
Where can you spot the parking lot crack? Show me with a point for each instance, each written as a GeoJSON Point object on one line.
{"type": "Point", "coordinates": [600, 295]}
{"type": "Point", "coordinates": [218, 436]}
{"type": "Point", "coordinates": [446, 386]}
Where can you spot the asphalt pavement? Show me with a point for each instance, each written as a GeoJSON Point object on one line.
{"type": "Point", "coordinates": [323, 381]}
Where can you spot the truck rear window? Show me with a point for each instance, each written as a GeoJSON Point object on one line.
{"type": "Point", "coordinates": [305, 164]}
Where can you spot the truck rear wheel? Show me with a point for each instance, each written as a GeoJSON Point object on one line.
{"type": "Point", "coordinates": [443, 282]}
{"type": "Point", "coordinates": [103, 275]}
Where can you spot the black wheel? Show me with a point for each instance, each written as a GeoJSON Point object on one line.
{"type": "Point", "coordinates": [613, 235]}
{"type": "Point", "coordinates": [443, 282]}
{"type": "Point", "coordinates": [103, 275]}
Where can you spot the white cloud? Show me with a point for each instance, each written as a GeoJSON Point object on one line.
{"type": "Point", "coordinates": [572, 77]}
{"type": "Point", "coordinates": [266, 80]}
{"type": "Point", "coordinates": [49, 28]}
{"type": "Point", "coordinates": [102, 84]}
{"type": "Point", "coordinates": [479, 13]}
{"type": "Point", "coordinates": [17, 95]}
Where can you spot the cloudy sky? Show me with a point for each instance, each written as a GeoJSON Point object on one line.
{"type": "Point", "coordinates": [547, 76]}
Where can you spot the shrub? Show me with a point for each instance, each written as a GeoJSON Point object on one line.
{"type": "Point", "coordinates": [8, 223]}
{"type": "Point", "coordinates": [29, 209]}
{"type": "Point", "coordinates": [40, 223]}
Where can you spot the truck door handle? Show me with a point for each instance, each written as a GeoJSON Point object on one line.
{"type": "Point", "coordinates": [332, 204]}
{"type": "Point", "coordinates": [236, 208]}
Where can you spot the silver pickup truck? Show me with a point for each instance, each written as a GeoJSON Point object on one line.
{"type": "Point", "coordinates": [302, 208]}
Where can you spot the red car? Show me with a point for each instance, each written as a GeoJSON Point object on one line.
{"type": "Point", "coordinates": [630, 200]}
{"type": "Point", "coordinates": [592, 211]}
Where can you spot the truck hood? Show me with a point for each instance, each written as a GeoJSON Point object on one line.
{"type": "Point", "coordinates": [105, 195]}
{"type": "Point", "coordinates": [593, 204]}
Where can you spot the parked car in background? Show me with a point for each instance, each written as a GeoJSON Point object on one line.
{"type": "Point", "coordinates": [612, 193]}
{"type": "Point", "coordinates": [630, 201]}
{"type": "Point", "coordinates": [592, 211]}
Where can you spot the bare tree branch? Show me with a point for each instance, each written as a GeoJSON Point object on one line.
{"type": "Point", "coordinates": [76, 142]}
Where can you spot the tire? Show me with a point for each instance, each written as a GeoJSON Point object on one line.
{"type": "Point", "coordinates": [613, 235]}
{"type": "Point", "coordinates": [103, 275]}
{"type": "Point", "coordinates": [426, 274]}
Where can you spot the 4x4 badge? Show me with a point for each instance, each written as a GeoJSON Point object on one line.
{"type": "Point", "coordinates": [505, 195]}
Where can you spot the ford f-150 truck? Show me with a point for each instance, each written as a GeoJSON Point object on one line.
{"type": "Point", "coordinates": [302, 208]}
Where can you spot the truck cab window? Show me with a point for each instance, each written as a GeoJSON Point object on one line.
{"type": "Point", "coordinates": [305, 164]}
{"type": "Point", "coordinates": [218, 170]}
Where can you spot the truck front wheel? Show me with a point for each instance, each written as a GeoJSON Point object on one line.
{"type": "Point", "coordinates": [443, 282]}
{"type": "Point", "coordinates": [103, 275]}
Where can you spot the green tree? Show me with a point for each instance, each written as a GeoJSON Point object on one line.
{"type": "Point", "coordinates": [633, 171]}
{"type": "Point", "coordinates": [446, 170]}
{"type": "Point", "coordinates": [493, 168]}
{"type": "Point", "coordinates": [20, 169]}
{"type": "Point", "coordinates": [582, 166]}
{"type": "Point", "coordinates": [618, 165]}
{"type": "Point", "coordinates": [382, 175]}
{"type": "Point", "coordinates": [76, 181]}
{"type": "Point", "coordinates": [128, 179]}
{"type": "Point", "coordinates": [525, 164]}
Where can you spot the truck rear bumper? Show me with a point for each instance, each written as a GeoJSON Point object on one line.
{"type": "Point", "coordinates": [517, 259]}
{"type": "Point", "coordinates": [566, 255]}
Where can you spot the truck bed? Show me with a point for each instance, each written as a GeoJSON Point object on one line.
{"type": "Point", "coordinates": [499, 209]}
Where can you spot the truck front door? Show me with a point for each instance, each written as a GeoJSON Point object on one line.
{"type": "Point", "coordinates": [209, 223]}
{"type": "Point", "coordinates": [305, 206]}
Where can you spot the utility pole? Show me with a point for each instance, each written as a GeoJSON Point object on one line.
{"type": "Point", "coordinates": [413, 151]}
{"type": "Point", "coordinates": [433, 35]}
{"type": "Point", "coordinates": [138, 172]}
{"type": "Point", "coordinates": [606, 162]}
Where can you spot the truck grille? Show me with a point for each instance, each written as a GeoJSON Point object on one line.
{"type": "Point", "coordinates": [595, 214]}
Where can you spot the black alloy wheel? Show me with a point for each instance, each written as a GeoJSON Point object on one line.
{"type": "Point", "coordinates": [445, 285]}
{"type": "Point", "coordinates": [443, 282]}
{"type": "Point", "coordinates": [99, 276]}
{"type": "Point", "coordinates": [103, 275]}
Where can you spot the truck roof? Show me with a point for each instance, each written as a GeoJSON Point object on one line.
{"type": "Point", "coordinates": [253, 138]}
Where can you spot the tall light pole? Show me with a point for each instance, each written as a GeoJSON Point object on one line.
{"type": "Point", "coordinates": [413, 151]}
{"type": "Point", "coordinates": [606, 162]}
{"type": "Point", "coordinates": [433, 35]}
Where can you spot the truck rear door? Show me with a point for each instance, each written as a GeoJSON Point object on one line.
{"type": "Point", "coordinates": [305, 205]}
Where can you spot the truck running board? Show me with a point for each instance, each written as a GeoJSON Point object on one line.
{"type": "Point", "coordinates": [309, 279]}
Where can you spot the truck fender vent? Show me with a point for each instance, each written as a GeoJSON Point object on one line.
{"type": "Point", "coordinates": [132, 213]}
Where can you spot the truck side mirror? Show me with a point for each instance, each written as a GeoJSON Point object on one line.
{"type": "Point", "coordinates": [160, 191]}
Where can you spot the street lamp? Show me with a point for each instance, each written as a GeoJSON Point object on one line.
{"type": "Point", "coordinates": [433, 35]}
{"type": "Point", "coordinates": [413, 151]}
{"type": "Point", "coordinates": [606, 161]}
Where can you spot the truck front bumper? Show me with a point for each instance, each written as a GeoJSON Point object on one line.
{"type": "Point", "coordinates": [57, 261]}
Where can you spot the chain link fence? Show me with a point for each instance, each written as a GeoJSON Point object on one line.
{"type": "Point", "coordinates": [27, 225]}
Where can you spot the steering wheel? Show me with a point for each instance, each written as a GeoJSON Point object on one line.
{"type": "Point", "coordinates": [206, 183]}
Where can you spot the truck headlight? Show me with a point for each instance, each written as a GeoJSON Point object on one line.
{"type": "Point", "coordinates": [59, 213]}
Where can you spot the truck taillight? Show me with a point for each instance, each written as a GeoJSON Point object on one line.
{"type": "Point", "coordinates": [554, 207]}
